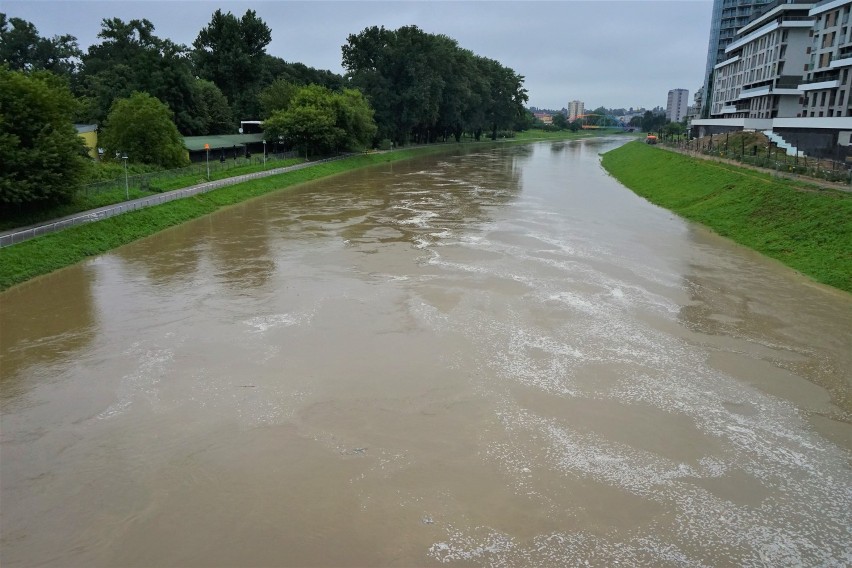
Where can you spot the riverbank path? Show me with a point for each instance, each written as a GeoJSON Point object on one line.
{"type": "Point", "coordinates": [21, 234]}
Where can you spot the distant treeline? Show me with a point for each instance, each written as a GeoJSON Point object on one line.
{"type": "Point", "coordinates": [418, 83]}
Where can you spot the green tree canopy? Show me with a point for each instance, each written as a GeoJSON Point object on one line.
{"type": "Point", "coordinates": [131, 58]}
{"type": "Point", "coordinates": [560, 121]}
{"type": "Point", "coordinates": [319, 120]}
{"type": "Point", "coordinates": [42, 155]}
{"type": "Point", "coordinates": [231, 52]}
{"type": "Point", "coordinates": [354, 117]}
{"type": "Point", "coordinates": [299, 74]}
{"type": "Point", "coordinates": [652, 122]}
{"type": "Point", "coordinates": [276, 96]}
{"type": "Point", "coordinates": [23, 49]}
{"type": "Point", "coordinates": [674, 128]}
{"type": "Point", "coordinates": [142, 128]}
{"type": "Point", "coordinates": [214, 112]}
{"type": "Point", "coordinates": [423, 86]}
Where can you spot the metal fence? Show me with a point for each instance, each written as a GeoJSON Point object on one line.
{"type": "Point", "coordinates": [150, 181]}
{"type": "Point", "coordinates": [770, 158]}
{"type": "Point", "coordinates": [117, 209]}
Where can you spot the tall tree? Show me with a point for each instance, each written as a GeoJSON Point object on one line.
{"type": "Point", "coordinates": [276, 96]}
{"type": "Point", "coordinates": [319, 120]}
{"type": "Point", "coordinates": [42, 155]}
{"type": "Point", "coordinates": [214, 109]}
{"type": "Point", "coordinates": [23, 49]}
{"type": "Point", "coordinates": [141, 127]}
{"type": "Point", "coordinates": [231, 52]}
{"type": "Point", "coordinates": [507, 95]}
{"type": "Point", "coordinates": [131, 58]}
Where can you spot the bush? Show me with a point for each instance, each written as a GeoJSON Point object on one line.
{"type": "Point", "coordinates": [42, 155]}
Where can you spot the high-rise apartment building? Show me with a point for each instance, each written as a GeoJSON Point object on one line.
{"type": "Point", "coordinates": [726, 18]}
{"type": "Point", "coordinates": [575, 109]}
{"type": "Point", "coordinates": [788, 73]}
{"type": "Point", "coordinates": [760, 75]}
{"type": "Point", "coordinates": [677, 105]}
{"type": "Point", "coordinates": [828, 80]}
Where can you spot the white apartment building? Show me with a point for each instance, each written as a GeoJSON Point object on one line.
{"type": "Point", "coordinates": [677, 105]}
{"type": "Point", "coordinates": [788, 73]}
{"type": "Point", "coordinates": [827, 83]}
{"type": "Point", "coordinates": [575, 109]}
{"type": "Point", "coordinates": [760, 79]}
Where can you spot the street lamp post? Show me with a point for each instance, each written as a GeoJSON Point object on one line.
{"type": "Point", "coordinates": [207, 148]}
{"type": "Point", "coordinates": [126, 181]}
{"type": "Point", "coordinates": [264, 152]}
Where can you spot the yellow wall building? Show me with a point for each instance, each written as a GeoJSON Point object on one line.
{"type": "Point", "coordinates": [89, 134]}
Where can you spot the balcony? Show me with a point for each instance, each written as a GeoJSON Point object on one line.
{"type": "Point", "coordinates": [788, 82]}
{"type": "Point", "coordinates": [822, 80]}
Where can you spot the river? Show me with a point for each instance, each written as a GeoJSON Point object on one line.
{"type": "Point", "coordinates": [493, 357]}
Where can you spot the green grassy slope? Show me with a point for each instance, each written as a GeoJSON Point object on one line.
{"type": "Point", "coordinates": [807, 229]}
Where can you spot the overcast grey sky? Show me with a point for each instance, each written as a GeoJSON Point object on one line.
{"type": "Point", "coordinates": [615, 53]}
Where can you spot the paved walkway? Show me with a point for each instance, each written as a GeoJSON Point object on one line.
{"type": "Point", "coordinates": [21, 234]}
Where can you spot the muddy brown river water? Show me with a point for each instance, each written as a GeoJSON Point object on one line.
{"type": "Point", "coordinates": [496, 357]}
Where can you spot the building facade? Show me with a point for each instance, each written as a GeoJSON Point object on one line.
{"type": "Point", "coordinates": [727, 17]}
{"type": "Point", "coordinates": [677, 105]}
{"type": "Point", "coordinates": [575, 109]}
{"type": "Point", "coordinates": [694, 110]}
{"type": "Point", "coordinates": [788, 73]}
{"type": "Point", "coordinates": [827, 84]}
{"type": "Point", "coordinates": [764, 66]}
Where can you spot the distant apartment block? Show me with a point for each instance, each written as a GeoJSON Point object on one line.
{"type": "Point", "coordinates": [544, 117]}
{"type": "Point", "coordinates": [695, 109]}
{"type": "Point", "coordinates": [677, 105]}
{"type": "Point", "coordinates": [575, 109]}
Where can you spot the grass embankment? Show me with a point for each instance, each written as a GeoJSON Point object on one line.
{"type": "Point", "coordinates": [807, 229]}
{"type": "Point", "coordinates": [45, 254]}
{"type": "Point", "coordinates": [158, 182]}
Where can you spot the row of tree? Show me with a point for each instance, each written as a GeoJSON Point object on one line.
{"type": "Point", "coordinates": [424, 86]}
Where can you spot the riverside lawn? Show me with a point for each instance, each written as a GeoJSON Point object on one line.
{"type": "Point", "coordinates": [803, 226]}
